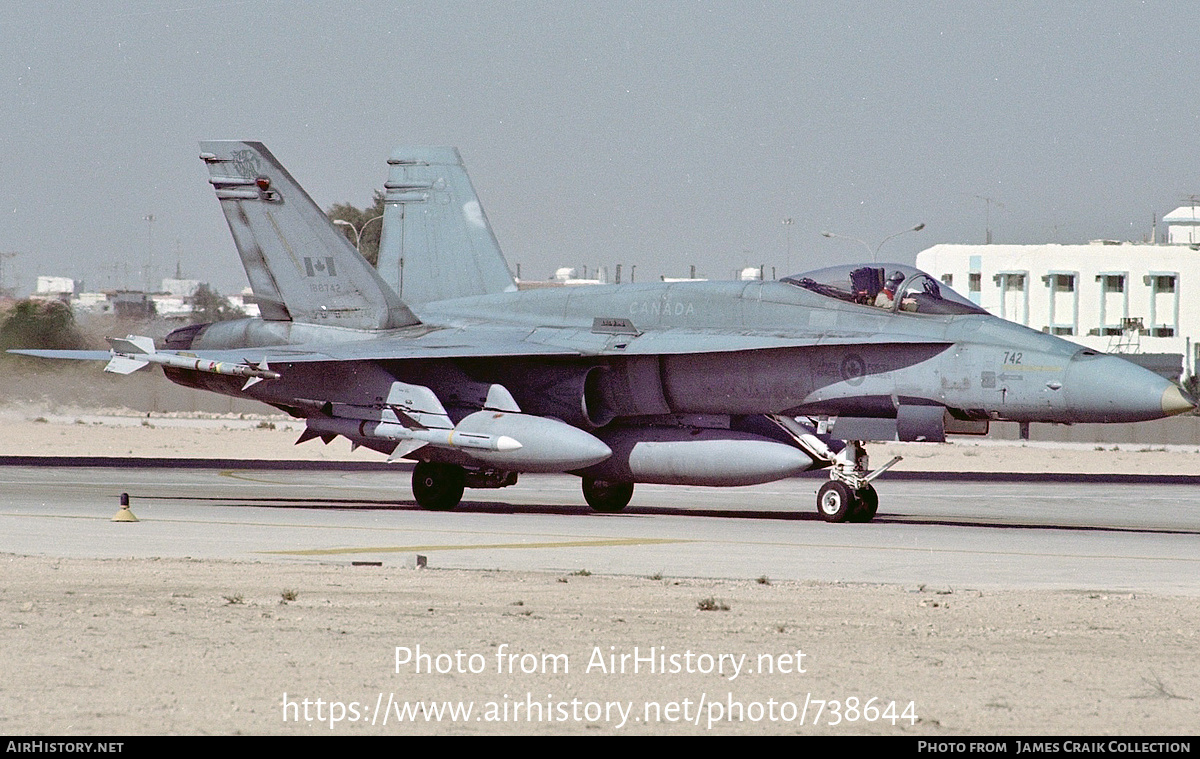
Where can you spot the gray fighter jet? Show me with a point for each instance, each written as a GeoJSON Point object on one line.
{"type": "Point", "coordinates": [436, 357]}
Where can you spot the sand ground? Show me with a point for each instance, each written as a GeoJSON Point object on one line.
{"type": "Point", "coordinates": [187, 647]}
{"type": "Point", "coordinates": [176, 646]}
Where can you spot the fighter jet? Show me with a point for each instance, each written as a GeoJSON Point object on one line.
{"type": "Point", "coordinates": [436, 357]}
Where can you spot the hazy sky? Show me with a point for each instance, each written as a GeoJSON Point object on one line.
{"type": "Point", "coordinates": [650, 133]}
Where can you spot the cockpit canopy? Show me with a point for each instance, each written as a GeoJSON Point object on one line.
{"type": "Point", "coordinates": [893, 287]}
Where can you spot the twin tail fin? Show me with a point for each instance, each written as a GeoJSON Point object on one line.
{"type": "Point", "coordinates": [300, 266]}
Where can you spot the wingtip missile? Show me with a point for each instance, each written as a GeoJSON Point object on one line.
{"type": "Point", "coordinates": [135, 351]}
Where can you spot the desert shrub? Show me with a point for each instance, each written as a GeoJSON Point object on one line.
{"type": "Point", "coordinates": [40, 324]}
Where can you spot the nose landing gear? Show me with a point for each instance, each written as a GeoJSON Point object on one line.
{"type": "Point", "coordinates": [849, 495]}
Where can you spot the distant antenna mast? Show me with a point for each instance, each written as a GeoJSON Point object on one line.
{"type": "Point", "coordinates": [988, 213]}
{"type": "Point", "coordinates": [149, 218]}
{"type": "Point", "coordinates": [3, 258]}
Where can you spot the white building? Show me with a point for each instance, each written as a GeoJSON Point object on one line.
{"type": "Point", "coordinates": [92, 303]}
{"type": "Point", "coordinates": [1129, 297]}
{"type": "Point", "coordinates": [55, 288]}
{"type": "Point", "coordinates": [245, 302]}
{"type": "Point", "coordinates": [1183, 226]}
{"type": "Point", "coordinates": [180, 288]}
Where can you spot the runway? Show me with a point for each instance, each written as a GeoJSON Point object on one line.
{"type": "Point", "coordinates": [1119, 535]}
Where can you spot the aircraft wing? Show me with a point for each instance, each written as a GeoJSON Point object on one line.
{"type": "Point", "coordinates": [440, 344]}
{"type": "Point", "coordinates": [541, 342]}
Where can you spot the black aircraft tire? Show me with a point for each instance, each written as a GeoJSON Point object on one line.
{"type": "Point", "coordinates": [605, 496]}
{"type": "Point", "coordinates": [835, 501]}
{"type": "Point", "coordinates": [866, 505]}
{"type": "Point", "coordinates": [438, 487]}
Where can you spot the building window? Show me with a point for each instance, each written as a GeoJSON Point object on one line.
{"type": "Point", "coordinates": [1014, 296]}
{"type": "Point", "coordinates": [1164, 303]}
{"type": "Point", "coordinates": [1114, 302]}
{"type": "Point", "coordinates": [948, 280]}
{"type": "Point", "coordinates": [1164, 283]}
{"type": "Point", "coordinates": [1064, 302]}
{"type": "Point", "coordinates": [974, 282]}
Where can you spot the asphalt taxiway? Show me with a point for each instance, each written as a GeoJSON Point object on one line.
{"type": "Point", "coordinates": [1134, 534]}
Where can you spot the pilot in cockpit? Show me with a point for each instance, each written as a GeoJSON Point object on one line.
{"type": "Point", "coordinates": [887, 296]}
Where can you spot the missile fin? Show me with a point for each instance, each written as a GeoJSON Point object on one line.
{"type": "Point", "coordinates": [131, 344]}
{"type": "Point", "coordinates": [499, 399]}
{"type": "Point", "coordinates": [124, 365]}
{"type": "Point", "coordinates": [420, 404]}
{"type": "Point", "coordinates": [405, 447]}
{"type": "Point", "coordinates": [307, 435]}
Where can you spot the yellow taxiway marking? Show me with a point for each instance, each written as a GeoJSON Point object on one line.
{"type": "Point", "coordinates": [469, 546]}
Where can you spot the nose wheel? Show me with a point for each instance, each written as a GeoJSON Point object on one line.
{"type": "Point", "coordinates": [838, 502]}
{"type": "Point", "coordinates": [834, 501]}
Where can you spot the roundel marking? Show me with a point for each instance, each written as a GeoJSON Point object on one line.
{"type": "Point", "coordinates": [854, 369]}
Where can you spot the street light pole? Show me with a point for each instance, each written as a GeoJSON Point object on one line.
{"type": "Point", "coordinates": [875, 251]}
{"type": "Point", "coordinates": [357, 230]}
{"type": "Point", "coordinates": [834, 236]}
{"type": "Point", "coordinates": [917, 228]}
{"type": "Point", "coordinates": [787, 231]}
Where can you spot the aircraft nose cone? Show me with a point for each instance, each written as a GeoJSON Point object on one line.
{"type": "Point", "coordinates": [1176, 401]}
{"type": "Point", "coordinates": [1103, 388]}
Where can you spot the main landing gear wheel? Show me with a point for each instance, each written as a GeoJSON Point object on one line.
{"type": "Point", "coordinates": [438, 487]}
{"type": "Point", "coordinates": [605, 496]}
{"type": "Point", "coordinates": [835, 501]}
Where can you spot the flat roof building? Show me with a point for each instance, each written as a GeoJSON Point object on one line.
{"type": "Point", "coordinates": [1109, 296]}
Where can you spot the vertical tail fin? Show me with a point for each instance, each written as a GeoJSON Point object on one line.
{"type": "Point", "coordinates": [436, 242]}
{"type": "Point", "coordinates": [300, 267]}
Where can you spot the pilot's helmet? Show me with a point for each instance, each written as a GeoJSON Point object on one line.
{"type": "Point", "coordinates": [895, 280]}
